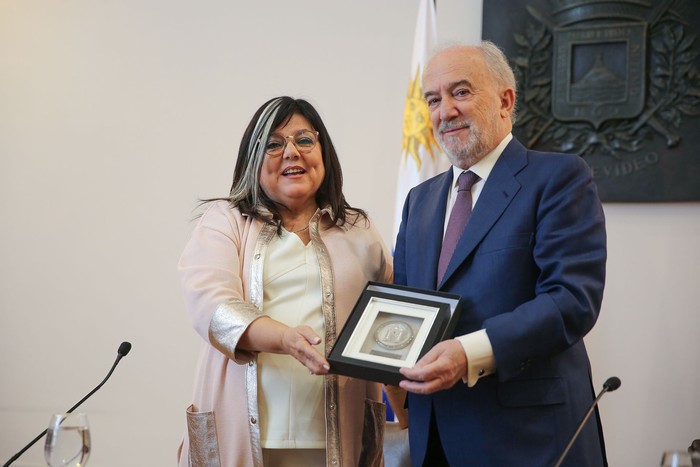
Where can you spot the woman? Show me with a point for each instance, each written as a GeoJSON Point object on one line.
{"type": "Point", "coordinates": [270, 275]}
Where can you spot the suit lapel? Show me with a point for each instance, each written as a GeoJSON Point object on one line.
{"type": "Point", "coordinates": [498, 192]}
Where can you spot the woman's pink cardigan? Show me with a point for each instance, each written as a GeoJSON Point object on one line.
{"type": "Point", "coordinates": [221, 272]}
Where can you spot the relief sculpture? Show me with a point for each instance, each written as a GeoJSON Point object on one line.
{"type": "Point", "coordinates": [616, 82]}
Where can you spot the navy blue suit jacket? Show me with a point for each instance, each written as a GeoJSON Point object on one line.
{"type": "Point", "coordinates": [530, 267]}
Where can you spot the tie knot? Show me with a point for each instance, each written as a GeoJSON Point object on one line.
{"type": "Point", "coordinates": [466, 180]}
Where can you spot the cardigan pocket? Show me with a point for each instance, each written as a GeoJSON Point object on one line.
{"type": "Point", "coordinates": [204, 444]}
{"type": "Point", "coordinates": [372, 454]}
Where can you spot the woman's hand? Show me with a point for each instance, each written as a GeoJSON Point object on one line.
{"type": "Point", "coordinates": [267, 335]}
{"type": "Point", "coordinates": [298, 342]}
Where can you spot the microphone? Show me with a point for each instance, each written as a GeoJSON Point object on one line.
{"type": "Point", "coordinates": [123, 351]}
{"type": "Point", "coordinates": [610, 385]}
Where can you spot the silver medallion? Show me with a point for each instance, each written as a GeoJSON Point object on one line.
{"type": "Point", "coordinates": [394, 335]}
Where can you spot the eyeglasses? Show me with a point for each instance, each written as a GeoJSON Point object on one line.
{"type": "Point", "coordinates": [304, 141]}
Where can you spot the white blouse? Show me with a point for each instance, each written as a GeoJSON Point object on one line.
{"type": "Point", "coordinates": [291, 405]}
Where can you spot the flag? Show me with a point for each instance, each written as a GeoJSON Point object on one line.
{"type": "Point", "coordinates": [421, 157]}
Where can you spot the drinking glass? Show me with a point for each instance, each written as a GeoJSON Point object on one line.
{"type": "Point", "coordinates": [676, 459]}
{"type": "Point", "coordinates": [67, 440]}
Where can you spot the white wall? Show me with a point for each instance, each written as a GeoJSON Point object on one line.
{"type": "Point", "coordinates": [116, 115]}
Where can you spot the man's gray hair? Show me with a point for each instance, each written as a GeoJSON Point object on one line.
{"type": "Point", "coordinates": [496, 63]}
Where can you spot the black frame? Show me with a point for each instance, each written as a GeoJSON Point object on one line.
{"type": "Point", "coordinates": [430, 315]}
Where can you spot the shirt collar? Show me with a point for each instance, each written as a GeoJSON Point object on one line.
{"type": "Point", "coordinates": [485, 165]}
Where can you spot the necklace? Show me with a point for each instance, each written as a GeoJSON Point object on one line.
{"type": "Point", "coordinates": [301, 230]}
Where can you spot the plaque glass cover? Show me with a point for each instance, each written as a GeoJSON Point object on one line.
{"type": "Point", "coordinates": [392, 327]}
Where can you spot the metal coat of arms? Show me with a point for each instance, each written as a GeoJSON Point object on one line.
{"type": "Point", "coordinates": [617, 82]}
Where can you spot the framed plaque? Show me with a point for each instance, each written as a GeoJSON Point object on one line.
{"type": "Point", "coordinates": [391, 327]}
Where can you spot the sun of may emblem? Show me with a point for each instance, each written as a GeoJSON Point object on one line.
{"type": "Point", "coordinates": [417, 128]}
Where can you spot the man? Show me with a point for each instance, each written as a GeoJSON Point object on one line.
{"type": "Point", "coordinates": [512, 387]}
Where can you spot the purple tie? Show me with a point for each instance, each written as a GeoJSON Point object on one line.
{"type": "Point", "coordinates": [458, 220]}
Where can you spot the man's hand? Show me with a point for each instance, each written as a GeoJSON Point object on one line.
{"type": "Point", "coordinates": [439, 369]}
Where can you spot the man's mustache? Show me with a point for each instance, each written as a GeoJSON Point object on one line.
{"type": "Point", "coordinates": [453, 125]}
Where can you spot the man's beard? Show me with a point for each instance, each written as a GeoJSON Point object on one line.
{"type": "Point", "coordinates": [477, 145]}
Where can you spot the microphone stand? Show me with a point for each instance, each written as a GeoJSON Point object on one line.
{"type": "Point", "coordinates": [610, 385]}
{"type": "Point", "coordinates": [124, 349]}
